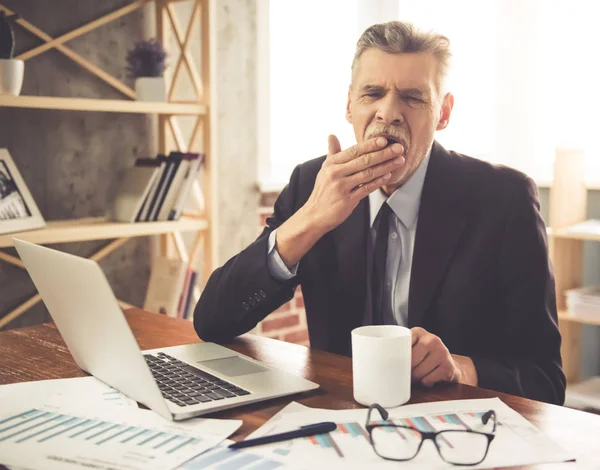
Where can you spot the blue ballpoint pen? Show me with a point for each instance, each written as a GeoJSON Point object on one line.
{"type": "Point", "coordinates": [303, 431]}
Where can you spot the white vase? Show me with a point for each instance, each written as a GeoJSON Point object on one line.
{"type": "Point", "coordinates": [11, 76]}
{"type": "Point", "coordinates": [151, 89]}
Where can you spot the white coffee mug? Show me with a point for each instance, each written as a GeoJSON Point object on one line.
{"type": "Point", "coordinates": [381, 368]}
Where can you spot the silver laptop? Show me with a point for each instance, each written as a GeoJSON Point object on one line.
{"type": "Point", "coordinates": [176, 382]}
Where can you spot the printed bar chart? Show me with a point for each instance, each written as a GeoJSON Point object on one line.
{"type": "Point", "coordinates": [43, 426]}
{"type": "Point", "coordinates": [230, 459]}
{"type": "Point", "coordinates": [52, 438]}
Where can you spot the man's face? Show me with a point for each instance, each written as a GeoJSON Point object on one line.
{"type": "Point", "coordinates": [395, 95]}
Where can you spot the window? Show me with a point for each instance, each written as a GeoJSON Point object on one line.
{"type": "Point", "coordinates": [311, 49]}
{"type": "Point", "coordinates": [524, 77]}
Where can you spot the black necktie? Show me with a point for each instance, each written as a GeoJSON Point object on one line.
{"type": "Point", "coordinates": [382, 224]}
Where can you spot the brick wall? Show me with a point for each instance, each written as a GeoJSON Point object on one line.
{"type": "Point", "coordinates": [288, 322]}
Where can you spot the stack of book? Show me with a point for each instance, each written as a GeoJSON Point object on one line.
{"type": "Point", "coordinates": [171, 288]}
{"type": "Point", "coordinates": [156, 189]}
{"type": "Point", "coordinates": [584, 302]}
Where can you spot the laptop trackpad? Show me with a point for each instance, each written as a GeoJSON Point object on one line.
{"type": "Point", "coordinates": [232, 366]}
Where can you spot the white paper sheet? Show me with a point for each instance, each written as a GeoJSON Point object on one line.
{"type": "Point", "coordinates": [517, 441]}
{"type": "Point", "coordinates": [222, 458]}
{"type": "Point", "coordinates": [123, 438]}
{"type": "Point", "coordinates": [83, 392]}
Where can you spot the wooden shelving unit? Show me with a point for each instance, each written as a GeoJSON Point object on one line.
{"type": "Point", "coordinates": [109, 106]}
{"type": "Point", "coordinates": [98, 228]}
{"type": "Point", "coordinates": [170, 137]}
{"type": "Point", "coordinates": [568, 207]}
{"type": "Point", "coordinates": [571, 234]}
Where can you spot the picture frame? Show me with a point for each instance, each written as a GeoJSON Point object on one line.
{"type": "Point", "coordinates": [18, 210]}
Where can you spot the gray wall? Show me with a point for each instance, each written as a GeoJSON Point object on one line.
{"type": "Point", "coordinates": [72, 161]}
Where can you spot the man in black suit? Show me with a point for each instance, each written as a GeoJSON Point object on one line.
{"type": "Point", "coordinates": [398, 230]}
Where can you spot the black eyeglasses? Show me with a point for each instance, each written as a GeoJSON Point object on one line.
{"type": "Point", "coordinates": [455, 446]}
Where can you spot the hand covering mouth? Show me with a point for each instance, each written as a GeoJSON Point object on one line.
{"type": "Point", "coordinates": [393, 140]}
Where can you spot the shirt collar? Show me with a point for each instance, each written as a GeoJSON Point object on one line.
{"type": "Point", "coordinates": [405, 201]}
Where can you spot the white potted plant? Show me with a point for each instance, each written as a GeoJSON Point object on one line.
{"type": "Point", "coordinates": [146, 62]}
{"type": "Point", "coordinates": [11, 70]}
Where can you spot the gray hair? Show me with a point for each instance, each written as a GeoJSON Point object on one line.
{"type": "Point", "coordinates": [396, 37]}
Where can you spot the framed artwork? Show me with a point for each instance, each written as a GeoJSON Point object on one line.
{"type": "Point", "coordinates": [18, 211]}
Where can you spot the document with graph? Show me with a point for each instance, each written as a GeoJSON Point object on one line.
{"type": "Point", "coordinates": [222, 458]}
{"type": "Point", "coordinates": [118, 439]}
{"type": "Point", "coordinates": [516, 441]}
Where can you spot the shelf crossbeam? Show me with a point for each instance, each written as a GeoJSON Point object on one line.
{"type": "Point", "coordinates": [98, 228]}
{"type": "Point", "coordinates": [86, 28]}
{"type": "Point", "coordinates": [71, 54]}
{"type": "Point", "coordinates": [185, 56]}
{"type": "Point", "coordinates": [102, 105]}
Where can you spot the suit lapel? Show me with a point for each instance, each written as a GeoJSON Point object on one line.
{"type": "Point", "coordinates": [440, 224]}
{"type": "Point", "coordinates": [350, 241]}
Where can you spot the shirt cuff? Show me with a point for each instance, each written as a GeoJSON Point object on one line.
{"type": "Point", "coordinates": [277, 267]}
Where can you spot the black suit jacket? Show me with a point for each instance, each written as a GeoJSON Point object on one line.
{"type": "Point", "coordinates": [480, 279]}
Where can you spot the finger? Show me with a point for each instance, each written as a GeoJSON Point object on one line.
{"type": "Point", "coordinates": [442, 373]}
{"type": "Point", "coordinates": [368, 146]}
{"type": "Point", "coordinates": [417, 333]}
{"type": "Point", "coordinates": [418, 354]}
{"type": "Point", "coordinates": [360, 192]}
{"type": "Point", "coordinates": [426, 366]}
{"type": "Point", "coordinates": [433, 377]}
{"type": "Point", "coordinates": [369, 174]}
{"type": "Point", "coordinates": [371, 159]}
{"type": "Point", "coordinates": [333, 146]}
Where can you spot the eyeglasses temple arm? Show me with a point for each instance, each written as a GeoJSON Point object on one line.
{"type": "Point", "coordinates": [486, 417]}
{"type": "Point", "coordinates": [384, 414]}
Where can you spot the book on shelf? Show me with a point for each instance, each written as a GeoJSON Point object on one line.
{"type": "Point", "coordinates": [171, 287]}
{"type": "Point", "coordinates": [154, 195]}
{"type": "Point", "coordinates": [181, 165]}
{"type": "Point", "coordinates": [186, 293]}
{"type": "Point", "coordinates": [589, 227]}
{"type": "Point", "coordinates": [173, 163]}
{"type": "Point", "coordinates": [165, 286]}
{"type": "Point", "coordinates": [189, 306]}
{"type": "Point", "coordinates": [129, 200]}
{"type": "Point", "coordinates": [155, 189]}
{"type": "Point", "coordinates": [191, 175]}
{"type": "Point", "coordinates": [159, 164]}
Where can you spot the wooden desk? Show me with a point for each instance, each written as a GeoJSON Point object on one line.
{"type": "Point", "coordinates": [38, 352]}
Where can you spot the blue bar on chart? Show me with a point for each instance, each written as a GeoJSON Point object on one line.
{"type": "Point", "coordinates": [42, 426]}
{"type": "Point", "coordinates": [423, 424]}
{"type": "Point", "coordinates": [229, 459]}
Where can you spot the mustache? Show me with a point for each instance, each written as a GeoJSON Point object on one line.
{"type": "Point", "coordinates": [394, 134]}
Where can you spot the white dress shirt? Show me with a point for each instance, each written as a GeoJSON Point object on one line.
{"type": "Point", "coordinates": [405, 203]}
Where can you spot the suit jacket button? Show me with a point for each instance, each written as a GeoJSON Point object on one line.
{"type": "Point", "coordinates": [263, 294]}
{"type": "Point", "coordinates": [252, 301]}
{"type": "Point", "coordinates": [257, 297]}
{"type": "Point", "coordinates": [245, 305]}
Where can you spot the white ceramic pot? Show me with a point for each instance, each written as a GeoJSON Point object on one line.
{"type": "Point", "coordinates": [11, 76]}
{"type": "Point", "coordinates": [151, 89]}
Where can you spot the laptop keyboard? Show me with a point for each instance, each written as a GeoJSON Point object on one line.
{"type": "Point", "coordinates": [186, 385]}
